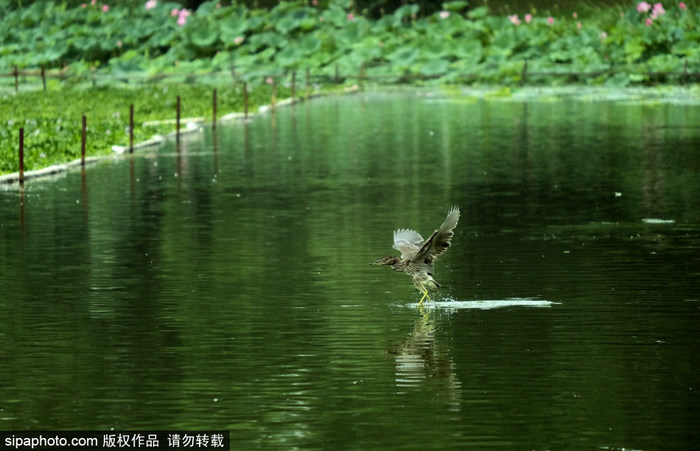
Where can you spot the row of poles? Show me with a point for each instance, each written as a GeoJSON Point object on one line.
{"type": "Point", "coordinates": [177, 114]}
{"type": "Point", "coordinates": [684, 76]}
{"type": "Point", "coordinates": [16, 73]}
{"type": "Point", "coordinates": [83, 140]}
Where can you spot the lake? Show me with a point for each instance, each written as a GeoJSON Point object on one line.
{"type": "Point", "coordinates": [223, 283]}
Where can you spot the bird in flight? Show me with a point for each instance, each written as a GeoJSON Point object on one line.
{"type": "Point", "coordinates": [418, 256]}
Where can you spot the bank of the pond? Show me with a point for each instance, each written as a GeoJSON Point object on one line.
{"type": "Point", "coordinates": [188, 126]}
{"type": "Point", "coordinates": [52, 120]}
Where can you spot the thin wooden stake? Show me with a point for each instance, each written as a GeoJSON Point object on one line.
{"type": "Point", "coordinates": [131, 128]}
{"type": "Point", "coordinates": [294, 84]}
{"type": "Point", "coordinates": [362, 75]}
{"type": "Point", "coordinates": [21, 156]}
{"type": "Point", "coordinates": [273, 101]}
{"type": "Point", "coordinates": [177, 119]}
{"type": "Point", "coordinates": [43, 77]}
{"type": "Point", "coordinates": [213, 114]}
{"type": "Point", "coordinates": [16, 74]}
{"type": "Point", "coordinates": [83, 137]}
{"type": "Point", "coordinates": [245, 100]}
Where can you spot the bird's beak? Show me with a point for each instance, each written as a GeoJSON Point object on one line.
{"type": "Point", "coordinates": [376, 262]}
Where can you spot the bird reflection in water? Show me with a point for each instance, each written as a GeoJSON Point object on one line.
{"type": "Point", "coordinates": [423, 362]}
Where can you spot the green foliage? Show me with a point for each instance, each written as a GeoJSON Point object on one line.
{"type": "Point", "coordinates": [52, 120]}
{"type": "Point", "coordinates": [158, 37]}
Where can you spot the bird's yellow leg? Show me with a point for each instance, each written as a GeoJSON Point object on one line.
{"type": "Point", "coordinates": [425, 295]}
{"type": "Point", "coordinates": [424, 315]}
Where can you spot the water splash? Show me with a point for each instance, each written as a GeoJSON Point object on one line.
{"type": "Point", "coordinates": [487, 304]}
{"type": "Point", "coordinates": [658, 221]}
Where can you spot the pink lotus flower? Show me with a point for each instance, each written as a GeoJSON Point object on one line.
{"type": "Point", "coordinates": [578, 25]}
{"type": "Point", "coordinates": [649, 21]}
{"type": "Point", "coordinates": [105, 8]}
{"type": "Point", "coordinates": [658, 10]}
{"type": "Point", "coordinates": [575, 15]}
{"type": "Point", "coordinates": [444, 14]}
{"type": "Point", "coordinates": [92, 2]}
{"type": "Point", "coordinates": [270, 80]}
{"type": "Point", "coordinates": [150, 4]}
{"type": "Point", "coordinates": [181, 14]}
{"type": "Point", "coordinates": [84, 5]}
{"type": "Point", "coordinates": [528, 18]}
{"type": "Point", "coordinates": [514, 19]}
{"type": "Point", "coordinates": [643, 7]}
{"type": "Point", "coordinates": [238, 40]}
{"type": "Point", "coordinates": [682, 6]}
{"type": "Point", "coordinates": [351, 17]}
{"type": "Point", "coordinates": [550, 20]}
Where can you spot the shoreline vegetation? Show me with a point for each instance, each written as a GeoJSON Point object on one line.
{"type": "Point", "coordinates": [157, 129]}
{"type": "Point", "coordinates": [91, 64]}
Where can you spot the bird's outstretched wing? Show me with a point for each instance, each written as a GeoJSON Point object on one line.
{"type": "Point", "coordinates": [440, 240]}
{"type": "Point", "coordinates": [408, 242]}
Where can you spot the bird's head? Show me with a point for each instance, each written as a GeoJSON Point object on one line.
{"type": "Point", "coordinates": [390, 261]}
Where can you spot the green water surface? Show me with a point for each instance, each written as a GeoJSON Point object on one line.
{"type": "Point", "coordinates": [224, 283]}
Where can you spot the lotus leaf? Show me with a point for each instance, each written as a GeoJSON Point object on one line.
{"type": "Point", "coordinates": [456, 5]}
{"type": "Point", "coordinates": [205, 36]}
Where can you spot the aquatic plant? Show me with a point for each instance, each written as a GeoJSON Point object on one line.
{"type": "Point", "coordinates": [456, 44]}
{"type": "Point", "coordinates": [52, 120]}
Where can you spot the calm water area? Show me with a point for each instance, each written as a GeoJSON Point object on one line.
{"type": "Point", "coordinates": [224, 283]}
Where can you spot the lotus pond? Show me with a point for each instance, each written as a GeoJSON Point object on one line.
{"type": "Point", "coordinates": [620, 44]}
{"type": "Point", "coordinates": [224, 282]}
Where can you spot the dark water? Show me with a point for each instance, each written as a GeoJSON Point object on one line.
{"type": "Point", "coordinates": [226, 285]}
